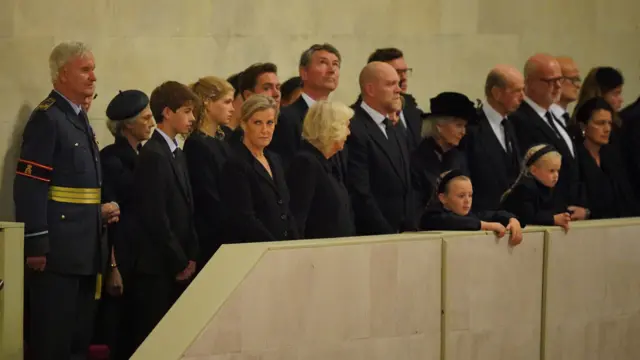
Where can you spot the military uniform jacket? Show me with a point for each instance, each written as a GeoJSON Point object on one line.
{"type": "Point", "coordinates": [57, 188]}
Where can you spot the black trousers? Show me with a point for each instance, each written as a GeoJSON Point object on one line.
{"type": "Point", "coordinates": [61, 315]}
{"type": "Point", "coordinates": [153, 296]}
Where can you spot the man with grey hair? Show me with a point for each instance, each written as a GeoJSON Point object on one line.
{"type": "Point", "coordinates": [57, 196]}
{"type": "Point", "coordinates": [491, 146]}
{"type": "Point", "coordinates": [320, 73]}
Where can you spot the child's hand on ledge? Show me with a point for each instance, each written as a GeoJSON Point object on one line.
{"type": "Point", "coordinates": [516, 231]}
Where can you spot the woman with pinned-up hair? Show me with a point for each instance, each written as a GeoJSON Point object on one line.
{"type": "Point", "coordinates": [609, 192]}
{"type": "Point", "coordinates": [206, 152]}
{"type": "Point", "coordinates": [607, 83]}
{"type": "Point", "coordinates": [253, 187]}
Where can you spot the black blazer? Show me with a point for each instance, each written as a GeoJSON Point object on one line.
{"type": "Point", "coordinates": [118, 164]}
{"type": "Point", "coordinates": [380, 186]}
{"type": "Point", "coordinates": [438, 218]}
{"type": "Point", "coordinates": [630, 143]}
{"type": "Point", "coordinates": [163, 226]}
{"type": "Point", "coordinates": [257, 206]}
{"type": "Point", "coordinates": [532, 130]}
{"type": "Point", "coordinates": [427, 163]}
{"type": "Point", "coordinates": [413, 118]}
{"type": "Point", "coordinates": [491, 169]}
{"type": "Point", "coordinates": [205, 157]}
{"type": "Point", "coordinates": [288, 132]}
{"type": "Point", "coordinates": [608, 189]}
{"type": "Point", "coordinates": [319, 200]}
{"type": "Point", "coordinates": [532, 202]}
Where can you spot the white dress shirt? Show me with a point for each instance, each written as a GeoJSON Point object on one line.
{"type": "Point", "coordinates": [542, 113]}
{"type": "Point", "coordinates": [376, 116]}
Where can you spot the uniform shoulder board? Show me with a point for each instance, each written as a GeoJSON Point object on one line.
{"type": "Point", "coordinates": [46, 104]}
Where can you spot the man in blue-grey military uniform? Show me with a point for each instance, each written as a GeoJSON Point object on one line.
{"type": "Point", "coordinates": [57, 196]}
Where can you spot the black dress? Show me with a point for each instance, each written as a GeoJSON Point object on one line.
{"type": "Point", "coordinates": [206, 155]}
{"type": "Point", "coordinates": [609, 192]}
{"type": "Point", "coordinates": [319, 199]}
{"type": "Point", "coordinates": [532, 203]}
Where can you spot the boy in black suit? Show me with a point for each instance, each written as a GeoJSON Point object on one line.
{"type": "Point", "coordinates": [163, 226]}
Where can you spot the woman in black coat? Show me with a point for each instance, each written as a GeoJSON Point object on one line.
{"type": "Point", "coordinates": [253, 187]}
{"type": "Point", "coordinates": [443, 130]}
{"type": "Point", "coordinates": [609, 192]}
{"type": "Point", "coordinates": [130, 121]}
{"type": "Point", "coordinates": [207, 151]}
{"type": "Point", "coordinates": [319, 200]}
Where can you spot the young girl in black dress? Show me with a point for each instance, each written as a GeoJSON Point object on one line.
{"type": "Point", "coordinates": [450, 209]}
{"type": "Point", "coordinates": [531, 197]}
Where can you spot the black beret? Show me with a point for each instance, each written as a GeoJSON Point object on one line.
{"type": "Point", "coordinates": [127, 104]}
{"type": "Point", "coordinates": [453, 104]}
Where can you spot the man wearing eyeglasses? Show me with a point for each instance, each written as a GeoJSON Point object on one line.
{"type": "Point", "coordinates": [569, 90]}
{"type": "Point", "coordinates": [534, 124]}
{"type": "Point", "coordinates": [410, 116]}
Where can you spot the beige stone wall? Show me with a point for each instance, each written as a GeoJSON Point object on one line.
{"type": "Point", "coordinates": [451, 44]}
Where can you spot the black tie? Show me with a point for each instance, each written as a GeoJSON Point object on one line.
{"type": "Point", "coordinates": [566, 118]}
{"type": "Point", "coordinates": [394, 142]}
{"type": "Point", "coordinates": [552, 123]}
{"type": "Point", "coordinates": [507, 136]}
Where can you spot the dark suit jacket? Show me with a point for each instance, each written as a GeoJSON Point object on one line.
{"type": "Point", "coordinates": [288, 132]}
{"type": "Point", "coordinates": [257, 206]}
{"type": "Point", "coordinates": [630, 143]}
{"type": "Point", "coordinates": [427, 163]}
{"type": "Point", "coordinates": [532, 130]}
{"type": "Point", "coordinates": [413, 118]}
{"type": "Point", "coordinates": [608, 189]}
{"type": "Point", "coordinates": [205, 157]}
{"type": "Point", "coordinates": [380, 187]}
{"type": "Point", "coordinates": [319, 201]}
{"type": "Point", "coordinates": [492, 171]}
{"type": "Point", "coordinates": [118, 164]}
{"type": "Point", "coordinates": [164, 230]}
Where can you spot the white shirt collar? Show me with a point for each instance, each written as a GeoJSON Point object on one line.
{"type": "Point", "coordinates": [558, 111]}
{"type": "Point", "coordinates": [492, 115]}
{"type": "Point", "coordinates": [76, 108]}
{"type": "Point", "coordinates": [375, 115]}
{"type": "Point", "coordinates": [171, 142]}
{"type": "Point", "coordinates": [537, 108]}
{"type": "Point", "coordinates": [308, 100]}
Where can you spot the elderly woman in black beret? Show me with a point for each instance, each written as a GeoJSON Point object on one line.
{"type": "Point", "coordinates": [442, 131]}
{"type": "Point", "coordinates": [130, 122]}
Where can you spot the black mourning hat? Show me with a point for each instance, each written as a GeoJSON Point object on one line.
{"type": "Point", "coordinates": [127, 104]}
{"type": "Point", "coordinates": [453, 104]}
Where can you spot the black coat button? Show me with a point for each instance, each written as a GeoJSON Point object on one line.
{"type": "Point", "coordinates": [283, 217]}
{"type": "Point", "coordinates": [286, 233]}
{"type": "Point", "coordinates": [280, 202]}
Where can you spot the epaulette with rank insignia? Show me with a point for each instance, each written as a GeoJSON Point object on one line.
{"type": "Point", "coordinates": [44, 105]}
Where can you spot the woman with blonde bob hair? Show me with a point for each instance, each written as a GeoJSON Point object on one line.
{"type": "Point", "coordinates": [206, 152]}
{"type": "Point", "coordinates": [319, 198]}
{"type": "Point", "coordinates": [255, 196]}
